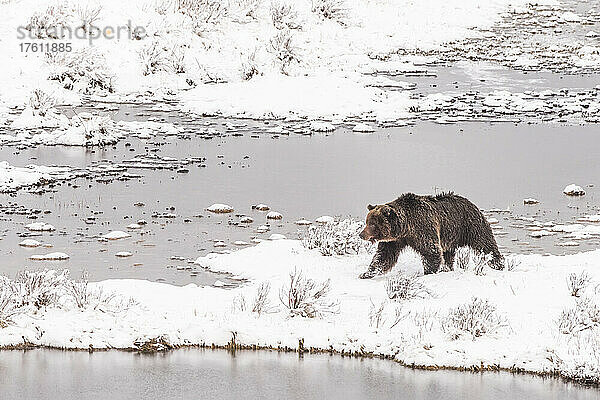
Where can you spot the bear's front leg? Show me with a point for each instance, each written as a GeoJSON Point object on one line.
{"type": "Point", "coordinates": [431, 254]}
{"type": "Point", "coordinates": [384, 259]}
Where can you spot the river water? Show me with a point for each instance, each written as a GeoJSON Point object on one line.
{"type": "Point", "coordinates": [207, 374]}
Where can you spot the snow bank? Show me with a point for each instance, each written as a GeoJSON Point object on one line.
{"type": "Point", "coordinates": [532, 306]}
{"type": "Point", "coordinates": [13, 178]}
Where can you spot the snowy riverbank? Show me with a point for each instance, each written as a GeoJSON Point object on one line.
{"type": "Point", "coordinates": [305, 58]}
{"type": "Point", "coordinates": [525, 318]}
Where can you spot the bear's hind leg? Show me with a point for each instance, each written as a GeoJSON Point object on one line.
{"type": "Point", "coordinates": [384, 259]}
{"type": "Point", "coordinates": [449, 259]}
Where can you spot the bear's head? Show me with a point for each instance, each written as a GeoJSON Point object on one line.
{"type": "Point", "coordinates": [382, 225]}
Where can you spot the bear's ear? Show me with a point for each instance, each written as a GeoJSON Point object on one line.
{"type": "Point", "coordinates": [370, 207]}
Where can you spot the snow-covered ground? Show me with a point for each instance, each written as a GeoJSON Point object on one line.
{"type": "Point", "coordinates": [525, 318]}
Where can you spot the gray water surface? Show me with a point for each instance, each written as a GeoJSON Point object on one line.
{"type": "Point", "coordinates": [206, 374]}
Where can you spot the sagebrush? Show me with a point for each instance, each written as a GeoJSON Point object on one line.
{"type": "Point", "coordinates": [10, 306]}
{"type": "Point", "coordinates": [478, 317]}
{"type": "Point", "coordinates": [284, 16]}
{"type": "Point", "coordinates": [577, 282]}
{"type": "Point", "coordinates": [334, 10]}
{"type": "Point", "coordinates": [306, 297]}
{"type": "Point", "coordinates": [84, 70]}
{"type": "Point", "coordinates": [40, 288]}
{"type": "Point", "coordinates": [41, 102]}
{"type": "Point", "coordinates": [584, 315]}
{"type": "Point", "coordinates": [337, 238]}
{"type": "Point", "coordinates": [283, 48]}
{"type": "Point", "coordinates": [403, 286]}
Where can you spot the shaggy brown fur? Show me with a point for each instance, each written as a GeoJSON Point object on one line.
{"type": "Point", "coordinates": [434, 226]}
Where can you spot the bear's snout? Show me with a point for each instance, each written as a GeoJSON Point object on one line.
{"type": "Point", "coordinates": [366, 235]}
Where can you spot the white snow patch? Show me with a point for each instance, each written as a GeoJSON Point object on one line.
{"type": "Point", "coordinates": [277, 236]}
{"type": "Point", "coordinates": [30, 243]}
{"type": "Point", "coordinates": [274, 215]}
{"type": "Point", "coordinates": [363, 128]}
{"type": "Point", "coordinates": [318, 126]}
{"type": "Point", "coordinates": [49, 257]}
{"type": "Point", "coordinates": [325, 219]}
{"type": "Point", "coordinates": [40, 227]}
{"type": "Point", "coordinates": [573, 190]}
{"type": "Point", "coordinates": [116, 235]}
{"type": "Point", "coordinates": [220, 208]}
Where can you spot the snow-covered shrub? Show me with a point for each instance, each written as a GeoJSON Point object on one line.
{"type": "Point", "coordinates": [334, 10]}
{"type": "Point", "coordinates": [585, 315]}
{"type": "Point", "coordinates": [399, 315]}
{"type": "Point", "coordinates": [9, 304]}
{"type": "Point", "coordinates": [40, 288]}
{"type": "Point", "coordinates": [470, 260]}
{"type": "Point", "coordinates": [511, 262]}
{"type": "Point", "coordinates": [96, 298]}
{"type": "Point", "coordinates": [157, 56]}
{"type": "Point", "coordinates": [576, 283]}
{"type": "Point", "coordinates": [283, 49]}
{"type": "Point", "coordinates": [581, 358]}
{"type": "Point", "coordinates": [204, 13]}
{"type": "Point", "coordinates": [177, 59]}
{"type": "Point", "coordinates": [424, 321]}
{"type": "Point", "coordinates": [379, 317]}
{"type": "Point", "coordinates": [246, 8]}
{"type": "Point", "coordinates": [249, 68]}
{"type": "Point", "coordinates": [284, 16]}
{"type": "Point", "coordinates": [41, 102]}
{"type": "Point", "coordinates": [376, 314]}
{"type": "Point", "coordinates": [87, 15]}
{"type": "Point", "coordinates": [477, 317]}
{"type": "Point", "coordinates": [152, 57]}
{"type": "Point", "coordinates": [337, 238]}
{"type": "Point", "coordinates": [83, 70]}
{"type": "Point", "coordinates": [260, 302]}
{"type": "Point", "coordinates": [49, 24]}
{"type": "Point", "coordinates": [163, 7]}
{"type": "Point", "coordinates": [402, 286]}
{"type": "Point", "coordinates": [306, 297]}
{"type": "Point", "coordinates": [239, 303]}
{"type": "Point", "coordinates": [97, 130]}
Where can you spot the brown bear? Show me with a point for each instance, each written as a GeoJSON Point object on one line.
{"type": "Point", "coordinates": [434, 226]}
